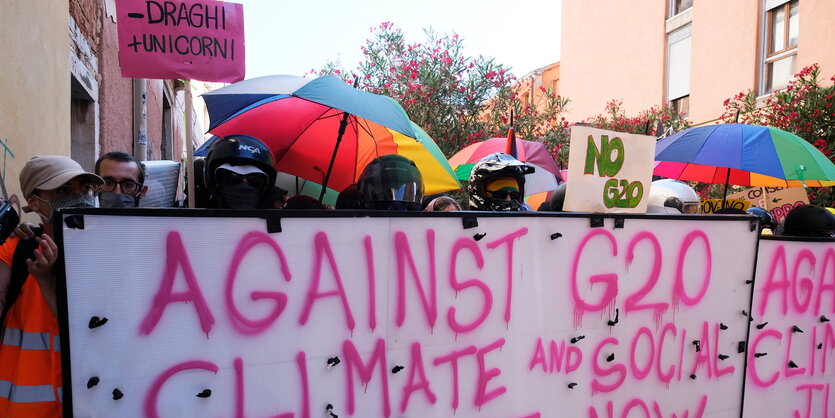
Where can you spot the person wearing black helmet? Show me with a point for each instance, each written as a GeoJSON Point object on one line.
{"type": "Point", "coordinates": [767, 224]}
{"type": "Point", "coordinates": [238, 173]}
{"type": "Point", "coordinates": [808, 221]}
{"type": "Point", "coordinates": [390, 182]}
{"type": "Point", "coordinates": [497, 183]}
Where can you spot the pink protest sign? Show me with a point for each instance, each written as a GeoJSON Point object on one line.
{"type": "Point", "coordinates": [201, 40]}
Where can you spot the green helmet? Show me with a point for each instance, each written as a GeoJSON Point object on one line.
{"type": "Point", "coordinates": [390, 182]}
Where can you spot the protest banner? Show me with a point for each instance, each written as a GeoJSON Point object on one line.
{"type": "Point", "coordinates": [189, 39]}
{"type": "Point", "coordinates": [610, 171]}
{"type": "Point", "coordinates": [206, 313]}
{"type": "Point", "coordinates": [712, 205]}
{"type": "Point", "coordinates": [790, 352]}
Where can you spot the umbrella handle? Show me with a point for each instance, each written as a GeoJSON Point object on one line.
{"type": "Point", "coordinates": [343, 124]}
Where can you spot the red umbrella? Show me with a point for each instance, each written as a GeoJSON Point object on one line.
{"type": "Point", "coordinates": [527, 151]}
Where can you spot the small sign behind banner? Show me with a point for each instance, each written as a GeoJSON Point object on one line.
{"type": "Point", "coordinates": [778, 201]}
{"type": "Point", "coordinates": [201, 40]}
{"type": "Point", "coordinates": [712, 205]}
{"type": "Point", "coordinates": [610, 171]}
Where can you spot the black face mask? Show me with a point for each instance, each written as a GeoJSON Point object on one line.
{"type": "Point", "coordinates": [239, 196]}
{"type": "Point", "coordinates": [117, 200]}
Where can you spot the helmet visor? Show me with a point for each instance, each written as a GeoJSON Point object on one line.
{"type": "Point", "coordinates": [408, 192]}
{"type": "Point", "coordinates": [691, 208]}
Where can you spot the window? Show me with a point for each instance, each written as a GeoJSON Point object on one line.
{"type": "Point", "coordinates": [681, 105]}
{"type": "Point", "coordinates": [678, 6]}
{"type": "Point", "coordinates": [166, 144]}
{"type": "Point", "coordinates": [782, 24]}
{"type": "Point", "coordinates": [678, 64]}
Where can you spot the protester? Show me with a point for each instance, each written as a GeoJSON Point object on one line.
{"type": "Point", "coordinates": [767, 223]}
{"type": "Point", "coordinates": [303, 202]}
{"type": "Point", "coordinates": [497, 183]}
{"type": "Point", "coordinates": [30, 360]}
{"type": "Point", "coordinates": [349, 198]}
{"type": "Point", "coordinates": [239, 174]}
{"type": "Point", "coordinates": [808, 221]}
{"type": "Point", "coordinates": [667, 194]}
{"type": "Point", "coordinates": [124, 180]}
{"type": "Point", "coordinates": [390, 182]}
{"type": "Point", "coordinates": [555, 203]}
{"type": "Point", "coordinates": [442, 204]}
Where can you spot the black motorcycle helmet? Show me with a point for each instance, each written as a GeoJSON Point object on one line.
{"type": "Point", "coordinates": [766, 220]}
{"type": "Point", "coordinates": [238, 150]}
{"type": "Point", "coordinates": [390, 182]}
{"type": "Point", "coordinates": [558, 198]}
{"type": "Point", "coordinates": [809, 221]}
{"type": "Point", "coordinates": [492, 167]}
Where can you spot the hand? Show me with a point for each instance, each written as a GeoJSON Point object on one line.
{"type": "Point", "coordinates": [45, 257]}
{"type": "Point", "coordinates": [24, 231]}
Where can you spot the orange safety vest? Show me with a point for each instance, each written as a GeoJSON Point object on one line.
{"type": "Point", "coordinates": [30, 354]}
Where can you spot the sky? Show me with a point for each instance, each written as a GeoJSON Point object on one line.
{"type": "Point", "coordinates": [295, 36]}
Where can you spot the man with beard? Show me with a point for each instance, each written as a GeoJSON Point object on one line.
{"type": "Point", "coordinates": [30, 359]}
{"type": "Point", "coordinates": [124, 180]}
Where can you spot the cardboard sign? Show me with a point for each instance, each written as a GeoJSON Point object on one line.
{"type": "Point", "coordinates": [712, 205]}
{"type": "Point", "coordinates": [781, 202]}
{"type": "Point", "coordinates": [778, 201]}
{"type": "Point", "coordinates": [610, 171]}
{"type": "Point", "coordinates": [520, 316]}
{"type": "Point", "coordinates": [190, 39]}
{"type": "Point", "coordinates": [791, 349]}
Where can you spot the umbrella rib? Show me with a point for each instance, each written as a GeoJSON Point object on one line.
{"type": "Point", "coordinates": [293, 142]}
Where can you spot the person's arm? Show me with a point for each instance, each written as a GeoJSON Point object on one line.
{"type": "Point", "coordinates": [43, 268]}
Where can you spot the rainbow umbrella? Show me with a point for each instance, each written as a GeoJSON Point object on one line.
{"type": "Point", "coordinates": [745, 155]}
{"type": "Point", "coordinates": [324, 130]}
{"type": "Point", "coordinates": [530, 152]}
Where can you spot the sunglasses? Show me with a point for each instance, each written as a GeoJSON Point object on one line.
{"type": "Point", "coordinates": [253, 179]}
{"type": "Point", "coordinates": [503, 195]}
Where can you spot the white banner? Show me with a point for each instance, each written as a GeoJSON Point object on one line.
{"type": "Point", "coordinates": [791, 367]}
{"type": "Point", "coordinates": [609, 171]}
{"type": "Point", "coordinates": [521, 316]}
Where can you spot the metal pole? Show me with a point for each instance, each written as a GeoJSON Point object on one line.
{"type": "Point", "coordinates": [725, 195]}
{"type": "Point", "coordinates": [342, 125]}
{"type": "Point", "coordinates": [190, 147]}
{"type": "Point", "coordinates": [140, 118]}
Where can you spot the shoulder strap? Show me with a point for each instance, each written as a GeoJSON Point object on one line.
{"type": "Point", "coordinates": [20, 271]}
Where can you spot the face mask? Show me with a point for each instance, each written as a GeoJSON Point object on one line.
{"type": "Point", "coordinates": [75, 201]}
{"type": "Point", "coordinates": [117, 200]}
{"type": "Point", "coordinates": [239, 196]}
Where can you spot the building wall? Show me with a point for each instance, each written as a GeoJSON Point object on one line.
{"type": "Point", "coordinates": [617, 50]}
{"type": "Point", "coordinates": [817, 36]}
{"type": "Point", "coordinates": [35, 83]}
{"type": "Point", "coordinates": [116, 100]}
{"type": "Point", "coordinates": [725, 45]}
{"type": "Point", "coordinates": [611, 50]}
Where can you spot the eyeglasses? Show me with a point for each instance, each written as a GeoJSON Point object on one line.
{"type": "Point", "coordinates": [256, 180]}
{"type": "Point", "coordinates": [503, 194]}
{"type": "Point", "coordinates": [126, 186]}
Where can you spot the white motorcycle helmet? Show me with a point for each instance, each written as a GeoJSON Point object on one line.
{"type": "Point", "coordinates": [667, 193]}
